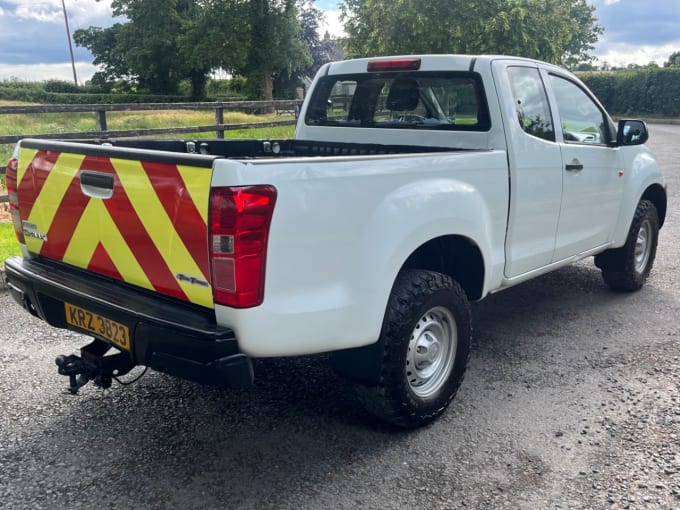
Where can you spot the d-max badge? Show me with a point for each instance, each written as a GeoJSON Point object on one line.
{"type": "Point", "coordinates": [31, 230]}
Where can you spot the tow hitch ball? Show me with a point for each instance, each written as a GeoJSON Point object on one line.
{"type": "Point", "coordinates": [92, 365]}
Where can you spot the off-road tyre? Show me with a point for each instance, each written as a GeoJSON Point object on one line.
{"type": "Point", "coordinates": [626, 269]}
{"type": "Point", "coordinates": [426, 336]}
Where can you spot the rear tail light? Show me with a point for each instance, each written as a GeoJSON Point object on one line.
{"type": "Point", "coordinates": [239, 229]}
{"type": "Point", "coordinates": [13, 195]}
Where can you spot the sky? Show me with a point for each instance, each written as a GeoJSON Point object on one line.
{"type": "Point", "coordinates": [34, 47]}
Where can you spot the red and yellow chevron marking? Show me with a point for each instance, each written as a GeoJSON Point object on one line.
{"type": "Point", "coordinates": [151, 229]}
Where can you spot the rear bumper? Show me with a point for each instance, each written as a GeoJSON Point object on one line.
{"type": "Point", "coordinates": [172, 337]}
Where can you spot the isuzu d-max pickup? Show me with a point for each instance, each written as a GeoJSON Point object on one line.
{"type": "Point", "coordinates": [414, 185]}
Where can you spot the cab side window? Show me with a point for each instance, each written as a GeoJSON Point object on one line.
{"type": "Point", "coordinates": [531, 102]}
{"type": "Point", "coordinates": [581, 119]}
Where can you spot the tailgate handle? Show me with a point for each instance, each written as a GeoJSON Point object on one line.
{"type": "Point", "coordinates": [96, 184]}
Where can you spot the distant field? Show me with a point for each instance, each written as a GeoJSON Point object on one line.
{"type": "Point", "coordinates": [25, 124]}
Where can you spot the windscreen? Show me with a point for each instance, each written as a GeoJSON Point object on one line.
{"type": "Point", "coordinates": [419, 100]}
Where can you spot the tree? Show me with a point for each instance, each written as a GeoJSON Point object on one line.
{"type": "Point", "coordinates": [585, 67]}
{"type": "Point", "coordinates": [150, 49]}
{"type": "Point", "coordinates": [673, 60]}
{"type": "Point", "coordinates": [581, 32]}
{"type": "Point", "coordinates": [558, 31]}
{"type": "Point", "coordinates": [109, 54]}
{"type": "Point", "coordinates": [167, 41]}
{"type": "Point", "coordinates": [276, 44]}
{"type": "Point", "coordinates": [321, 50]}
{"type": "Point", "coordinates": [257, 39]}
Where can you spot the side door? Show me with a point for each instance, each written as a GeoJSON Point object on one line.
{"type": "Point", "coordinates": [535, 163]}
{"type": "Point", "coordinates": [592, 183]}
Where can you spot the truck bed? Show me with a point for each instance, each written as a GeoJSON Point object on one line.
{"type": "Point", "coordinates": [250, 149]}
{"type": "Point", "coordinates": [137, 210]}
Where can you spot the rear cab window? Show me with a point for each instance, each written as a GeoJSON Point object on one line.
{"type": "Point", "coordinates": [531, 102]}
{"type": "Point", "coordinates": [452, 101]}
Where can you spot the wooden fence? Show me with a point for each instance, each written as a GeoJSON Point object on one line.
{"type": "Point", "coordinates": [3, 198]}
{"type": "Point", "coordinates": [102, 132]}
{"type": "Point", "coordinates": [100, 110]}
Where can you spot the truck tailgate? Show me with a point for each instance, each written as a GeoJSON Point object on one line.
{"type": "Point", "coordinates": [134, 216]}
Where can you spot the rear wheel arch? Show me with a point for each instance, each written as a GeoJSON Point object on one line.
{"type": "Point", "coordinates": [455, 256]}
{"type": "Point", "coordinates": [423, 350]}
{"type": "Point", "coordinates": [452, 255]}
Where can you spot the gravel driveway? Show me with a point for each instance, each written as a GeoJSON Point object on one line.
{"type": "Point", "coordinates": [571, 400]}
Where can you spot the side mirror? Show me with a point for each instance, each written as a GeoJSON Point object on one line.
{"type": "Point", "coordinates": [631, 132]}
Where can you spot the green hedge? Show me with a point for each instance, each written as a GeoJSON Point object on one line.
{"type": "Point", "coordinates": [36, 95]}
{"type": "Point", "coordinates": [648, 92]}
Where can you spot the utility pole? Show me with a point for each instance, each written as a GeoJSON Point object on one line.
{"type": "Point", "coordinates": [70, 46]}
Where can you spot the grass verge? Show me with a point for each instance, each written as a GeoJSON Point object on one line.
{"type": "Point", "coordinates": [8, 243]}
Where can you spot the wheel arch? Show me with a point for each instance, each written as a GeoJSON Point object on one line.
{"type": "Point", "coordinates": [656, 194]}
{"type": "Point", "coordinates": [626, 268]}
{"type": "Point", "coordinates": [456, 256]}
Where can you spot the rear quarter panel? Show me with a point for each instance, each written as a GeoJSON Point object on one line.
{"type": "Point", "coordinates": [342, 229]}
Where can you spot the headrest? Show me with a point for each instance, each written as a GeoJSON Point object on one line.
{"type": "Point", "coordinates": [404, 95]}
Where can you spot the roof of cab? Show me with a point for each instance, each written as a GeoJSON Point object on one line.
{"type": "Point", "coordinates": [428, 63]}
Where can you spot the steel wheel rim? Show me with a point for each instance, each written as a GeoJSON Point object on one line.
{"type": "Point", "coordinates": [431, 351]}
{"type": "Point", "coordinates": [643, 246]}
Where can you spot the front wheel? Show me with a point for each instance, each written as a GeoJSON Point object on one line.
{"type": "Point", "coordinates": [426, 344]}
{"type": "Point", "coordinates": [627, 268]}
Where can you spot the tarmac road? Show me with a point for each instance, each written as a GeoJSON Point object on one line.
{"type": "Point", "coordinates": [571, 400]}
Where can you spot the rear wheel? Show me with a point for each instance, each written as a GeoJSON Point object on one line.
{"type": "Point", "coordinates": [627, 268]}
{"type": "Point", "coordinates": [426, 344]}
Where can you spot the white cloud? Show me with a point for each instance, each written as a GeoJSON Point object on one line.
{"type": "Point", "coordinates": [332, 24]}
{"type": "Point", "coordinates": [622, 54]}
{"type": "Point", "coordinates": [41, 12]}
{"type": "Point", "coordinates": [81, 13]}
{"type": "Point", "coordinates": [42, 72]}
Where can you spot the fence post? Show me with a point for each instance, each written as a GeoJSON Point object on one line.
{"type": "Point", "coordinates": [219, 120]}
{"type": "Point", "coordinates": [3, 199]}
{"type": "Point", "coordinates": [100, 121]}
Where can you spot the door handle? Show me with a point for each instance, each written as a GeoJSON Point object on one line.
{"type": "Point", "coordinates": [574, 166]}
{"type": "Point", "coordinates": [96, 184]}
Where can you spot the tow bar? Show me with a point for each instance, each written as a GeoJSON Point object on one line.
{"type": "Point", "coordinates": [92, 365]}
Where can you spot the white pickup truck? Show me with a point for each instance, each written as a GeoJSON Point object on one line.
{"type": "Point", "coordinates": [413, 186]}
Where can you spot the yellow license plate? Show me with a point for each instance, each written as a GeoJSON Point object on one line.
{"type": "Point", "coordinates": [115, 332]}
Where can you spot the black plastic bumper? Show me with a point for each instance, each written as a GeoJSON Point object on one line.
{"type": "Point", "coordinates": [173, 337]}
